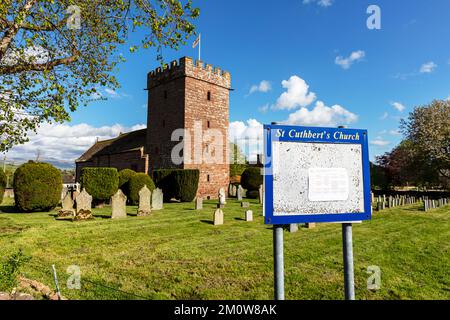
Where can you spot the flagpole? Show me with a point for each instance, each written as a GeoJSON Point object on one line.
{"type": "Point", "coordinates": [200, 47]}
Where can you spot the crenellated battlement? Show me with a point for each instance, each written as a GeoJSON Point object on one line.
{"type": "Point", "coordinates": [185, 67]}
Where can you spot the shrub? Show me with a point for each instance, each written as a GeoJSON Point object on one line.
{"type": "Point", "coordinates": [100, 183]}
{"type": "Point", "coordinates": [136, 183]}
{"type": "Point", "coordinates": [37, 187]}
{"type": "Point", "coordinates": [252, 194]}
{"type": "Point", "coordinates": [124, 178]}
{"type": "Point", "coordinates": [181, 184]}
{"type": "Point", "coordinates": [251, 179]}
{"type": "Point", "coordinates": [10, 269]}
{"type": "Point", "coordinates": [2, 185]}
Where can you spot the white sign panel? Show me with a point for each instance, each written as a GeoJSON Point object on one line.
{"type": "Point", "coordinates": [328, 184]}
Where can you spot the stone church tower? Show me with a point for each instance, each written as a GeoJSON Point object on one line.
{"type": "Point", "coordinates": [195, 98]}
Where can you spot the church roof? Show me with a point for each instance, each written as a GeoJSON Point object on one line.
{"type": "Point", "coordinates": [129, 141]}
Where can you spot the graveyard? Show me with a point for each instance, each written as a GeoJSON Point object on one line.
{"type": "Point", "coordinates": [177, 253]}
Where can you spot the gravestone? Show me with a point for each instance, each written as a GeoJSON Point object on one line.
{"type": "Point", "coordinates": [157, 199]}
{"type": "Point", "coordinates": [230, 190]}
{"type": "Point", "coordinates": [245, 204]}
{"type": "Point", "coordinates": [144, 208]}
{"type": "Point", "coordinates": [198, 203]}
{"type": "Point", "coordinates": [83, 206]}
{"type": "Point", "coordinates": [260, 194]}
{"type": "Point", "coordinates": [293, 227]}
{"type": "Point", "coordinates": [310, 225]}
{"type": "Point", "coordinates": [249, 215]}
{"type": "Point", "coordinates": [218, 217]}
{"type": "Point", "coordinates": [119, 205]}
{"type": "Point", "coordinates": [221, 196]}
{"type": "Point", "coordinates": [239, 193]}
{"type": "Point", "coordinates": [234, 191]}
{"type": "Point", "coordinates": [67, 209]}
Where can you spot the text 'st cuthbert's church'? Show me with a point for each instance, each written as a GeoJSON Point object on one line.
{"type": "Point", "coordinates": [182, 95]}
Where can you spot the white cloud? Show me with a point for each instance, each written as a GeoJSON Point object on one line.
{"type": "Point", "coordinates": [428, 67]}
{"type": "Point", "coordinates": [248, 136]}
{"type": "Point", "coordinates": [398, 106]}
{"type": "Point", "coordinates": [322, 3]}
{"type": "Point", "coordinates": [64, 142]}
{"type": "Point", "coordinates": [346, 63]}
{"type": "Point", "coordinates": [263, 86]}
{"type": "Point", "coordinates": [297, 94]}
{"type": "Point", "coordinates": [380, 142]}
{"type": "Point", "coordinates": [264, 108]}
{"type": "Point", "coordinates": [322, 115]}
{"type": "Point", "coordinates": [395, 132]}
{"type": "Point", "coordinates": [384, 116]}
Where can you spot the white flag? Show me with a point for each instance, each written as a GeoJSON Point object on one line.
{"type": "Point", "coordinates": [196, 42]}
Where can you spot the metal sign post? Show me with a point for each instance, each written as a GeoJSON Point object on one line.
{"type": "Point", "coordinates": [278, 256]}
{"type": "Point", "coordinates": [347, 251]}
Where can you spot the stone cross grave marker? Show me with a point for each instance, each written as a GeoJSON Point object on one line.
{"type": "Point", "coordinates": [119, 205]}
{"type": "Point", "coordinates": [144, 208]}
{"type": "Point", "coordinates": [157, 199]}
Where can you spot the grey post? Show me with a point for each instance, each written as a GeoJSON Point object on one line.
{"type": "Point", "coordinates": [56, 282]}
{"type": "Point", "coordinates": [278, 257]}
{"type": "Point", "coordinates": [347, 250]}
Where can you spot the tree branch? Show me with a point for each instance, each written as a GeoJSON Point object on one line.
{"type": "Point", "coordinates": [17, 68]}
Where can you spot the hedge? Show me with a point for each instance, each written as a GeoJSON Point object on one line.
{"type": "Point", "coordinates": [2, 185]}
{"type": "Point", "coordinates": [100, 183]}
{"type": "Point", "coordinates": [181, 184]}
{"type": "Point", "coordinates": [251, 179]}
{"type": "Point", "coordinates": [37, 187]}
{"type": "Point", "coordinates": [124, 178]}
{"type": "Point", "coordinates": [136, 183]}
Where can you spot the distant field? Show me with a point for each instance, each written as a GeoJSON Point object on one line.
{"type": "Point", "coordinates": [177, 253]}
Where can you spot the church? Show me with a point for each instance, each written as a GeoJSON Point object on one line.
{"type": "Point", "coordinates": [183, 95]}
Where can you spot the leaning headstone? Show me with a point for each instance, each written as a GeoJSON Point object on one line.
{"type": "Point", "coordinates": [245, 204]}
{"type": "Point", "coordinates": [221, 197]}
{"type": "Point", "coordinates": [144, 208]}
{"type": "Point", "coordinates": [261, 194]}
{"type": "Point", "coordinates": [67, 209]}
{"type": "Point", "coordinates": [218, 217]}
{"type": "Point", "coordinates": [239, 193]}
{"type": "Point", "coordinates": [157, 199]}
{"type": "Point", "coordinates": [249, 215]}
{"type": "Point", "coordinates": [119, 205]}
{"type": "Point", "coordinates": [293, 227]}
{"type": "Point", "coordinates": [83, 206]}
{"type": "Point", "coordinates": [198, 203]}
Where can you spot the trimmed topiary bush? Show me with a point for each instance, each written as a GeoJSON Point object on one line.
{"type": "Point", "coordinates": [181, 184]}
{"type": "Point", "coordinates": [251, 179]}
{"type": "Point", "coordinates": [37, 187]}
{"type": "Point", "coordinates": [136, 183]}
{"type": "Point", "coordinates": [100, 183]}
{"type": "Point", "coordinates": [124, 178]}
{"type": "Point", "coordinates": [2, 185]}
{"type": "Point", "coordinates": [252, 194]}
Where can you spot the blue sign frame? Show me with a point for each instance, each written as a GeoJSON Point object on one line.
{"type": "Point", "coordinates": [315, 135]}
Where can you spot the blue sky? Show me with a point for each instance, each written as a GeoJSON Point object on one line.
{"type": "Point", "coordinates": [404, 64]}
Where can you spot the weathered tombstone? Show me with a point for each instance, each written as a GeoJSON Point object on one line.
{"type": "Point", "coordinates": [221, 196]}
{"type": "Point", "coordinates": [144, 208]}
{"type": "Point", "coordinates": [245, 204]}
{"type": "Point", "coordinates": [379, 206]}
{"type": "Point", "coordinates": [310, 225]}
{"type": "Point", "coordinates": [84, 206]}
{"type": "Point", "coordinates": [230, 190]}
{"type": "Point", "coordinates": [249, 215]}
{"type": "Point", "coordinates": [260, 194]}
{"type": "Point", "coordinates": [293, 227]}
{"type": "Point", "coordinates": [119, 205]}
{"type": "Point", "coordinates": [218, 217]}
{"type": "Point", "coordinates": [234, 191]}
{"type": "Point", "coordinates": [199, 203]}
{"type": "Point", "coordinates": [239, 193]}
{"type": "Point", "coordinates": [157, 199]}
{"type": "Point", "coordinates": [67, 209]}
{"type": "Point", "coordinates": [220, 206]}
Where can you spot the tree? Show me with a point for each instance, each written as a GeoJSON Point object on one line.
{"type": "Point", "coordinates": [54, 55]}
{"type": "Point", "coordinates": [238, 161]}
{"type": "Point", "coordinates": [428, 129]}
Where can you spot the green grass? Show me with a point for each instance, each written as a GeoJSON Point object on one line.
{"type": "Point", "coordinates": [177, 253]}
